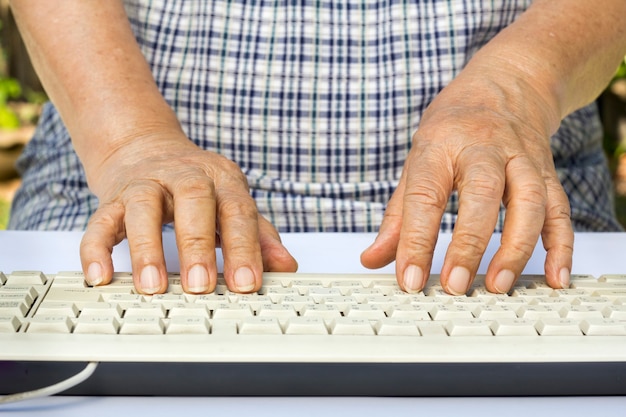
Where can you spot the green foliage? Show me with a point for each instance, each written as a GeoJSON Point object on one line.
{"type": "Point", "coordinates": [5, 207]}
{"type": "Point", "coordinates": [10, 89]}
{"type": "Point", "coordinates": [621, 71]}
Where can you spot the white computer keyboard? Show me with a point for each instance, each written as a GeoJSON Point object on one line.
{"type": "Point", "coordinates": [356, 330]}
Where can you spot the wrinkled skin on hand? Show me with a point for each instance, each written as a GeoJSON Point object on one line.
{"type": "Point", "coordinates": [163, 177]}
{"type": "Point", "coordinates": [489, 141]}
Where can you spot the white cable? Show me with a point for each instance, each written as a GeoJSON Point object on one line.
{"type": "Point", "coordinates": [52, 389]}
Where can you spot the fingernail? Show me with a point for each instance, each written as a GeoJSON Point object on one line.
{"type": "Point", "coordinates": [244, 279]}
{"type": "Point", "coordinates": [150, 279]}
{"type": "Point", "coordinates": [94, 274]}
{"type": "Point", "coordinates": [198, 279]}
{"type": "Point", "coordinates": [504, 281]}
{"type": "Point", "coordinates": [413, 279]}
{"type": "Point", "coordinates": [458, 280]}
{"type": "Point", "coordinates": [564, 276]}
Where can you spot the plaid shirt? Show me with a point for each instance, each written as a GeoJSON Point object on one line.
{"type": "Point", "coordinates": [317, 101]}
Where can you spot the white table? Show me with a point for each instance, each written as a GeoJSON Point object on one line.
{"type": "Point", "coordinates": [55, 251]}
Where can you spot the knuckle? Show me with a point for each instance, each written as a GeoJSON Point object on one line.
{"type": "Point", "coordinates": [142, 192]}
{"type": "Point", "coordinates": [558, 212]}
{"type": "Point", "coordinates": [195, 244]}
{"type": "Point", "coordinates": [428, 193]}
{"type": "Point", "coordinates": [532, 196]}
{"type": "Point", "coordinates": [468, 243]}
{"type": "Point", "coordinates": [196, 186]}
{"type": "Point", "coordinates": [238, 206]}
{"type": "Point", "coordinates": [107, 217]}
{"type": "Point", "coordinates": [416, 242]}
{"type": "Point", "coordinates": [520, 249]}
{"type": "Point", "coordinates": [482, 186]}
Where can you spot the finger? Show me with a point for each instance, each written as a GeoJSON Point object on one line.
{"type": "Point", "coordinates": [383, 250]}
{"type": "Point", "coordinates": [525, 201]}
{"type": "Point", "coordinates": [104, 231]}
{"type": "Point", "coordinates": [276, 257]}
{"type": "Point", "coordinates": [480, 188]}
{"type": "Point", "coordinates": [144, 218]}
{"type": "Point", "coordinates": [428, 186]}
{"type": "Point", "coordinates": [558, 236]}
{"type": "Point", "coordinates": [194, 220]}
{"type": "Point", "coordinates": [239, 235]}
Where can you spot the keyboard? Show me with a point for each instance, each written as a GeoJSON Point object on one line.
{"type": "Point", "coordinates": [314, 334]}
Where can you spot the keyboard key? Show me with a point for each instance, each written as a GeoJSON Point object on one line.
{"type": "Point", "coordinates": [494, 312]}
{"type": "Point", "coordinates": [321, 293]}
{"type": "Point", "coordinates": [535, 312]}
{"type": "Point", "coordinates": [16, 308]}
{"type": "Point", "coordinates": [101, 310]}
{"type": "Point", "coordinates": [320, 310]}
{"type": "Point", "coordinates": [189, 309]}
{"type": "Point", "coordinates": [390, 326]}
{"type": "Point", "coordinates": [276, 294]}
{"type": "Point", "coordinates": [363, 294]}
{"type": "Point", "coordinates": [514, 327]}
{"type": "Point", "coordinates": [558, 327]}
{"type": "Point", "coordinates": [232, 311]}
{"type": "Point", "coordinates": [32, 290]}
{"type": "Point", "coordinates": [168, 300]}
{"type": "Point", "coordinates": [226, 327]}
{"type": "Point", "coordinates": [142, 325]}
{"type": "Point", "coordinates": [260, 325]}
{"type": "Point", "coordinates": [210, 301]}
{"type": "Point", "coordinates": [432, 328]}
{"type": "Point", "coordinates": [579, 312]}
{"type": "Point", "coordinates": [69, 282]}
{"type": "Point", "coordinates": [50, 324]}
{"type": "Point", "coordinates": [365, 311]}
{"type": "Point", "coordinates": [9, 323]}
{"type": "Point", "coordinates": [529, 294]}
{"type": "Point", "coordinates": [612, 278]}
{"type": "Point", "coordinates": [449, 312]}
{"type": "Point", "coordinates": [144, 310]}
{"type": "Point", "coordinates": [78, 296]}
{"type": "Point", "coordinates": [616, 312]}
{"type": "Point", "coordinates": [97, 325]}
{"type": "Point", "coordinates": [23, 297]}
{"type": "Point", "coordinates": [351, 326]}
{"type": "Point", "coordinates": [188, 325]}
{"type": "Point", "coordinates": [468, 327]}
{"type": "Point", "coordinates": [409, 311]}
{"type": "Point", "coordinates": [255, 301]}
{"type": "Point", "coordinates": [306, 325]}
{"type": "Point", "coordinates": [603, 327]}
{"type": "Point", "coordinates": [278, 311]}
{"type": "Point", "coordinates": [27, 277]}
{"type": "Point", "coordinates": [57, 308]}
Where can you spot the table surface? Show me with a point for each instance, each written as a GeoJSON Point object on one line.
{"type": "Point", "coordinates": [595, 253]}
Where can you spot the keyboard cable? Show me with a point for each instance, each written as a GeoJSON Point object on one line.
{"type": "Point", "coordinates": [52, 389]}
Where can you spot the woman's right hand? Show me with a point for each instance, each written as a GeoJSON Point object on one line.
{"type": "Point", "coordinates": [162, 177]}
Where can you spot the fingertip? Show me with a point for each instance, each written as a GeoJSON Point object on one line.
{"type": "Point", "coordinates": [382, 251]}
{"type": "Point", "coordinates": [503, 281]}
{"type": "Point", "coordinates": [151, 280]}
{"type": "Point", "coordinates": [245, 280]}
{"type": "Point", "coordinates": [459, 281]}
{"type": "Point", "coordinates": [276, 257]}
{"type": "Point", "coordinates": [199, 280]}
{"type": "Point", "coordinates": [412, 279]}
{"type": "Point", "coordinates": [96, 274]}
{"type": "Point", "coordinates": [564, 277]}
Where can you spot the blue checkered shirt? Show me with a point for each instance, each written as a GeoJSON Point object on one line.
{"type": "Point", "coordinates": [317, 101]}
